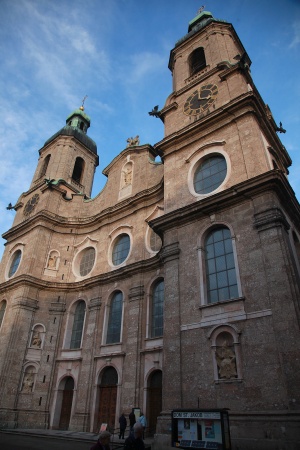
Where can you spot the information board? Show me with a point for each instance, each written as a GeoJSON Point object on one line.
{"type": "Point", "coordinates": [201, 429]}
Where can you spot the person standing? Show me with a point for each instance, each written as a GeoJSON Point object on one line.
{"type": "Point", "coordinates": [103, 441]}
{"type": "Point", "coordinates": [123, 425]}
{"type": "Point", "coordinates": [132, 420]}
{"type": "Point", "coordinates": [134, 440]}
{"type": "Point", "coordinates": [143, 422]}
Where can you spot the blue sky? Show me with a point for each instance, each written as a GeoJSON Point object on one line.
{"type": "Point", "coordinates": [54, 52]}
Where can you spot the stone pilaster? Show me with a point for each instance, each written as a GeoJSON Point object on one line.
{"type": "Point", "coordinates": [22, 312]}
{"type": "Point", "coordinates": [172, 345]}
{"type": "Point", "coordinates": [81, 418]}
{"type": "Point", "coordinates": [132, 367]}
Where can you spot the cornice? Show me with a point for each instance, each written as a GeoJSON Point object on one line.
{"type": "Point", "coordinates": [247, 103]}
{"type": "Point", "coordinates": [128, 151]}
{"type": "Point", "coordinates": [273, 180]}
{"type": "Point", "coordinates": [46, 218]}
{"type": "Point", "coordinates": [96, 281]}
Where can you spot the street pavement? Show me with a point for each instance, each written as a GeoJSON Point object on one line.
{"type": "Point", "coordinates": [84, 437]}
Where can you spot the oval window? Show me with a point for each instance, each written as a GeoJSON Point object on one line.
{"type": "Point", "coordinates": [210, 174]}
{"type": "Point", "coordinates": [87, 261]}
{"type": "Point", "coordinates": [155, 241]}
{"type": "Point", "coordinates": [121, 249]}
{"type": "Point", "coordinates": [15, 263]}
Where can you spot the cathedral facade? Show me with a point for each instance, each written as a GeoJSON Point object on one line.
{"type": "Point", "coordinates": [178, 285]}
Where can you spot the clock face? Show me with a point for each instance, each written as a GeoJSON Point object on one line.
{"type": "Point", "coordinates": [200, 100]}
{"type": "Point", "coordinates": [31, 204]}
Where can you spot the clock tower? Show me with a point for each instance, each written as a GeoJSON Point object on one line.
{"type": "Point", "coordinates": [215, 116]}
{"type": "Point", "coordinates": [229, 212]}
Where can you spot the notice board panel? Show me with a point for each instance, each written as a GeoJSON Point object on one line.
{"type": "Point", "coordinates": [199, 428]}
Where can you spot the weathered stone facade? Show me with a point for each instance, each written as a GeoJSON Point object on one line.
{"type": "Point", "coordinates": [81, 278]}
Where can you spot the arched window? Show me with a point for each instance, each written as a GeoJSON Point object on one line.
{"type": "Point", "coordinates": [221, 276]}
{"type": "Point", "coordinates": [157, 310]}
{"type": "Point", "coordinates": [45, 166]}
{"type": "Point", "coordinates": [197, 61]}
{"type": "Point", "coordinates": [115, 319]}
{"type": "Point", "coordinates": [2, 311]}
{"type": "Point", "coordinates": [121, 249]}
{"type": "Point", "coordinates": [78, 325]}
{"type": "Point", "coordinates": [15, 263]}
{"type": "Point", "coordinates": [78, 170]}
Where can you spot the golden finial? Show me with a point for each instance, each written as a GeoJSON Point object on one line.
{"type": "Point", "coordinates": [83, 100]}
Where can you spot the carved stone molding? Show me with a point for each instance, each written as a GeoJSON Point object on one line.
{"type": "Point", "coordinates": [25, 303]}
{"type": "Point", "coordinates": [270, 218]}
{"type": "Point", "coordinates": [170, 252]}
{"type": "Point", "coordinates": [136, 292]}
{"type": "Point", "coordinates": [95, 303]}
{"type": "Point", "coordinates": [57, 308]}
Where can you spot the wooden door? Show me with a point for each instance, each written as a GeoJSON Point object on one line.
{"type": "Point", "coordinates": [154, 400]}
{"type": "Point", "coordinates": [66, 405]}
{"type": "Point", "coordinates": [107, 407]}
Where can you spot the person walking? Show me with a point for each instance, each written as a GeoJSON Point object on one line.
{"type": "Point", "coordinates": [123, 425]}
{"type": "Point", "coordinates": [134, 440]}
{"type": "Point", "coordinates": [143, 422]}
{"type": "Point", "coordinates": [103, 441]}
{"type": "Point", "coordinates": [132, 420]}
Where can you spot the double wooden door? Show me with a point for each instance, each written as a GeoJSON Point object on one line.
{"type": "Point", "coordinates": [107, 406]}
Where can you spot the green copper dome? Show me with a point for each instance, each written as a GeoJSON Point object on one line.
{"type": "Point", "coordinates": [79, 112]}
{"type": "Point", "coordinates": [77, 124]}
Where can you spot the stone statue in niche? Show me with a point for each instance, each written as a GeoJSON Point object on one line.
{"type": "Point", "coordinates": [52, 261]}
{"type": "Point", "coordinates": [226, 361]}
{"type": "Point", "coordinates": [36, 340]}
{"type": "Point", "coordinates": [131, 142]}
{"type": "Point", "coordinates": [127, 175]}
{"type": "Point", "coordinates": [28, 382]}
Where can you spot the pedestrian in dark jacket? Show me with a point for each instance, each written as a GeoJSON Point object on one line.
{"type": "Point", "coordinates": [123, 425]}
{"type": "Point", "coordinates": [131, 420]}
{"type": "Point", "coordinates": [103, 441]}
{"type": "Point", "coordinates": [134, 440]}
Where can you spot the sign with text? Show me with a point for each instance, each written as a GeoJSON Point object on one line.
{"type": "Point", "coordinates": [201, 429]}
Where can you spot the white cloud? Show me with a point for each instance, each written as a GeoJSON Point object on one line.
{"type": "Point", "coordinates": [296, 39]}
{"type": "Point", "coordinates": [142, 64]}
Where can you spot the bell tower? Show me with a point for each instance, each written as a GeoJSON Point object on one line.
{"type": "Point", "coordinates": [215, 119]}
{"type": "Point", "coordinates": [69, 156]}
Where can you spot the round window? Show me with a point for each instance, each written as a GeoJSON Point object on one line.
{"type": "Point", "coordinates": [87, 261]}
{"type": "Point", "coordinates": [210, 174]}
{"type": "Point", "coordinates": [15, 263]}
{"type": "Point", "coordinates": [121, 249]}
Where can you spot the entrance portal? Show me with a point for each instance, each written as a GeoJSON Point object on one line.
{"type": "Point", "coordinates": [108, 398]}
{"type": "Point", "coordinates": [154, 399]}
{"type": "Point", "coordinates": [66, 405]}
